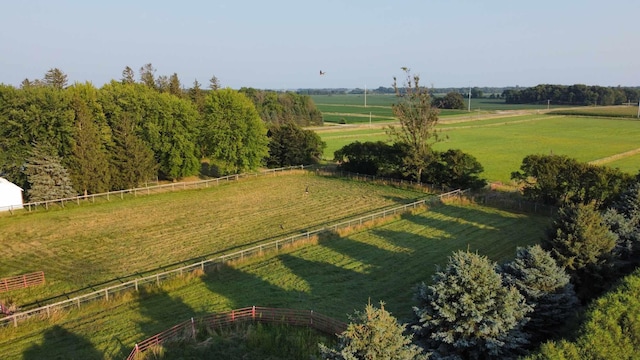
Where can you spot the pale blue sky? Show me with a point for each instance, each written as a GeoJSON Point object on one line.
{"type": "Point", "coordinates": [279, 44]}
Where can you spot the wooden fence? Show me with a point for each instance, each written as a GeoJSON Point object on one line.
{"type": "Point", "coordinates": [189, 329]}
{"type": "Point", "coordinates": [147, 190]}
{"type": "Point", "coordinates": [22, 281]}
{"type": "Point", "coordinates": [214, 263]}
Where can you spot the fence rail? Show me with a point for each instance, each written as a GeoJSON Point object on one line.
{"type": "Point", "coordinates": [22, 281]}
{"type": "Point", "coordinates": [147, 190]}
{"type": "Point", "coordinates": [205, 264]}
{"type": "Point", "coordinates": [189, 329]}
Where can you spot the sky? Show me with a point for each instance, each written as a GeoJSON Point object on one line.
{"type": "Point", "coordinates": [283, 44]}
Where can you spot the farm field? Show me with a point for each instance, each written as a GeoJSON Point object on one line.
{"type": "Point", "coordinates": [500, 144]}
{"type": "Point", "coordinates": [333, 277]}
{"type": "Point", "coordinates": [604, 111]}
{"type": "Point", "coordinates": [89, 246]}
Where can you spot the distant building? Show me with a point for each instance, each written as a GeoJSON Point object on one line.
{"type": "Point", "coordinates": [10, 195]}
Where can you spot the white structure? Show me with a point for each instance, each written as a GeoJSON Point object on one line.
{"type": "Point", "coordinates": [10, 195]}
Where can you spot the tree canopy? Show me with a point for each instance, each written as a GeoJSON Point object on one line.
{"type": "Point", "coordinates": [467, 312]}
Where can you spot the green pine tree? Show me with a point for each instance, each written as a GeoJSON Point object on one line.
{"type": "Point", "coordinates": [467, 313]}
{"type": "Point", "coordinates": [545, 286]}
{"type": "Point", "coordinates": [581, 242]}
{"type": "Point", "coordinates": [373, 335]}
{"type": "Point", "coordinates": [48, 179]}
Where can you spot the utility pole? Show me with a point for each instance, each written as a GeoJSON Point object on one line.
{"type": "Point", "coordinates": [365, 95]}
{"type": "Point", "coordinates": [638, 108]}
{"type": "Point", "coordinates": [469, 98]}
{"type": "Point", "coordinates": [548, 102]}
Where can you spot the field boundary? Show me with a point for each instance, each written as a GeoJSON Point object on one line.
{"type": "Point", "coordinates": [147, 190]}
{"type": "Point", "coordinates": [22, 281]}
{"type": "Point", "coordinates": [615, 157]}
{"type": "Point", "coordinates": [257, 250]}
{"type": "Point", "coordinates": [189, 328]}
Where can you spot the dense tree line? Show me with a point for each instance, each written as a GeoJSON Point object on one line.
{"type": "Point", "coordinates": [572, 95]}
{"type": "Point", "coordinates": [559, 179]}
{"type": "Point", "coordinates": [280, 108]}
{"type": "Point", "coordinates": [58, 140]}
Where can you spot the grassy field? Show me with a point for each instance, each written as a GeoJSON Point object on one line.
{"type": "Point", "coordinates": [335, 276]}
{"type": "Point", "coordinates": [604, 111]}
{"type": "Point", "coordinates": [82, 247]}
{"type": "Point", "coordinates": [501, 143]}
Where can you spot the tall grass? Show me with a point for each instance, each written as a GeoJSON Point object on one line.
{"type": "Point", "coordinates": [89, 246]}
{"type": "Point", "coordinates": [334, 277]}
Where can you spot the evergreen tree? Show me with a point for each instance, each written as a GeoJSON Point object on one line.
{"type": "Point", "coordinates": [55, 78]}
{"type": "Point", "coordinates": [374, 334]}
{"type": "Point", "coordinates": [128, 77]}
{"type": "Point", "coordinates": [88, 162]}
{"type": "Point", "coordinates": [623, 219]}
{"type": "Point", "coordinates": [468, 313]}
{"type": "Point", "coordinates": [581, 242]}
{"type": "Point", "coordinates": [174, 85]}
{"type": "Point", "coordinates": [545, 286]}
{"type": "Point", "coordinates": [197, 96]}
{"type": "Point", "coordinates": [147, 75]}
{"type": "Point", "coordinates": [47, 177]}
{"type": "Point", "coordinates": [132, 160]}
{"type": "Point", "coordinates": [214, 83]}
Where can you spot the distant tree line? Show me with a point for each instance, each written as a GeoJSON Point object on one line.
{"type": "Point", "coordinates": [572, 95]}
{"type": "Point", "coordinates": [58, 140]}
{"type": "Point", "coordinates": [410, 154]}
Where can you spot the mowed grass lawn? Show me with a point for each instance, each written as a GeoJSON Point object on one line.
{"type": "Point", "coordinates": [500, 144]}
{"type": "Point", "coordinates": [82, 247]}
{"type": "Point", "coordinates": [335, 277]}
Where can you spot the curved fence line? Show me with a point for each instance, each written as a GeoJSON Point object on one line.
{"type": "Point", "coordinates": [105, 293]}
{"type": "Point", "coordinates": [189, 329]}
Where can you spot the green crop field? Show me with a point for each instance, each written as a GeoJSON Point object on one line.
{"type": "Point", "coordinates": [334, 277]}
{"type": "Point", "coordinates": [604, 111]}
{"type": "Point", "coordinates": [372, 99]}
{"type": "Point", "coordinates": [501, 143]}
{"type": "Point", "coordinates": [79, 247]}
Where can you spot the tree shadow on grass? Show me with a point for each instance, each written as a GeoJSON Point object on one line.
{"type": "Point", "coordinates": [243, 289]}
{"type": "Point", "coordinates": [60, 343]}
{"type": "Point", "coordinates": [161, 311]}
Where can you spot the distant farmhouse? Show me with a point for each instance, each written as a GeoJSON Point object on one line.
{"type": "Point", "coordinates": [10, 195]}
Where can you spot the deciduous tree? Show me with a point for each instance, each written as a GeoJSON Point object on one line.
{"type": "Point", "coordinates": [417, 120]}
{"type": "Point", "coordinates": [291, 145]}
{"type": "Point", "coordinates": [232, 131]}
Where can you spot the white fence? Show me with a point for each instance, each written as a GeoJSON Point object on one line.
{"type": "Point", "coordinates": [105, 293]}
{"type": "Point", "coordinates": [147, 190]}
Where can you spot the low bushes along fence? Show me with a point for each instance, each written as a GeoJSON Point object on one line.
{"type": "Point", "coordinates": [189, 328]}
{"type": "Point", "coordinates": [22, 281]}
{"type": "Point", "coordinates": [204, 265]}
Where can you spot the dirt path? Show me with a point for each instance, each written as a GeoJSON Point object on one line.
{"type": "Point", "coordinates": [615, 157]}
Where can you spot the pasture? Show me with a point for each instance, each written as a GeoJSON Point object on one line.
{"type": "Point", "coordinates": [500, 143]}
{"type": "Point", "coordinates": [603, 111]}
{"type": "Point", "coordinates": [335, 276]}
{"type": "Point", "coordinates": [351, 109]}
{"type": "Point", "coordinates": [92, 245]}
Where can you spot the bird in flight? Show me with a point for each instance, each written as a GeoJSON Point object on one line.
{"type": "Point", "coordinates": [322, 72]}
